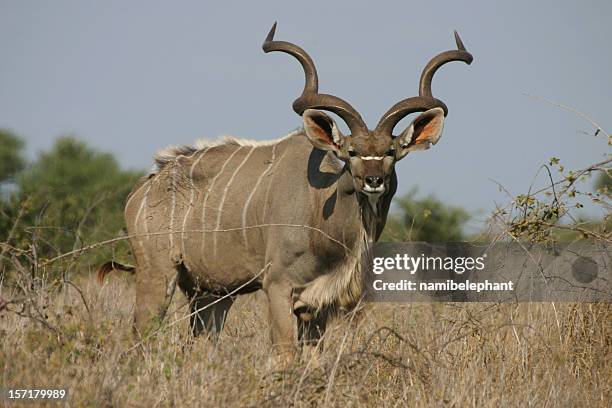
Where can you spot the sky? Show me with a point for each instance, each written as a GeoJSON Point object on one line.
{"type": "Point", "coordinates": [131, 77]}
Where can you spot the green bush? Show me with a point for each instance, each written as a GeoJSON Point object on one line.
{"type": "Point", "coordinates": [71, 196]}
{"type": "Point", "coordinates": [424, 219]}
{"type": "Point", "coordinates": [11, 155]}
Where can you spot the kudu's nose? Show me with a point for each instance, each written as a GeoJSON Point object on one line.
{"type": "Point", "coordinates": [373, 181]}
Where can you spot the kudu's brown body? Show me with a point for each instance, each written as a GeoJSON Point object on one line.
{"type": "Point", "coordinates": [291, 216]}
{"type": "Point", "coordinates": [232, 210]}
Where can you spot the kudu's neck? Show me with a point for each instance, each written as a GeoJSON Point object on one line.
{"type": "Point", "coordinates": [357, 205]}
{"type": "Point", "coordinates": [342, 207]}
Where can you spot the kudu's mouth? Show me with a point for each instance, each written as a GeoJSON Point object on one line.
{"type": "Point", "coordinates": [373, 190]}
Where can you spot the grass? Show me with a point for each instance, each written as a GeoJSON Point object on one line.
{"type": "Point", "coordinates": [453, 354]}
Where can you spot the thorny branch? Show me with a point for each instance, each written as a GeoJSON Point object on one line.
{"type": "Point", "coordinates": [529, 217]}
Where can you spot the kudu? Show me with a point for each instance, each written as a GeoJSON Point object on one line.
{"type": "Point", "coordinates": [291, 216]}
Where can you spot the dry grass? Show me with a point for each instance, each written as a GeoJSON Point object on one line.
{"type": "Point", "coordinates": [395, 355]}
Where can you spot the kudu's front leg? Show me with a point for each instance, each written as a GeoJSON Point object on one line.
{"type": "Point", "coordinates": [311, 328]}
{"type": "Point", "coordinates": [282, 322]}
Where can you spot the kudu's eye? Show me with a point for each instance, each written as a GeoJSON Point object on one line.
{"type": "Point", "coordinates": [390, 152]}
{"type": "Point", "coordinates": [352, 153]}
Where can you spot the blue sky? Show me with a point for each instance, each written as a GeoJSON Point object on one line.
{"type": "Point", "coordinates": [133, 76]}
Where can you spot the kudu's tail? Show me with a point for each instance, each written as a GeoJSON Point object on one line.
{"type": "Point", "coordinates": [110, 266]}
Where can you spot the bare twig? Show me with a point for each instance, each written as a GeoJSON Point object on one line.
{"type": "Point", "coordinates": [80, 292]}
{"type": "Point", "coordinates": [125, 237]}
{"type": "Point", "coordinates": [88, 211]}
{"type": "Point", "coordinates": [570, 109]}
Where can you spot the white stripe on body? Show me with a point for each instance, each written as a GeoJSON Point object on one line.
{"type": "Point", "coordinates": [173, 203]}
{"type": "Point", "coordinates": [143, 205]}
{"type": "Point", "coordinates": [191, 198]}
{"type": "Point", "coordinates": [227, 186]}
{"type": "Point", "coordinates": [135, 192]}
{"type": "Point", "coordinates": [212, 184]}
{"type": "Point", "coordinates": [248, 201]}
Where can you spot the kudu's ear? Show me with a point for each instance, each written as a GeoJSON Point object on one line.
{"type": "Point", "coordinates": [424, 131]}
{"type": "Point", "coordinates": [322, 131]}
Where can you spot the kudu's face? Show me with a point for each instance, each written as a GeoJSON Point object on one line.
{"type": "Point", "coordinates": [370, 158]}
{"type": "Point", "coordinates": [370, 155]}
